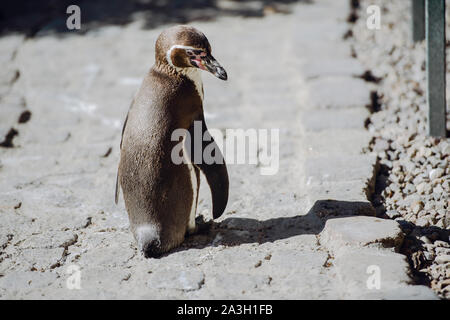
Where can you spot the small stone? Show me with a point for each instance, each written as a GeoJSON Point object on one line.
{"type": "Point", "coordinates": [393, 214]}
{"type": "Point", "coordinates": [443, 259]}
{"type": "Point", "coordinates": [422, 222]}
{"type": "Point", "coordinates": [409, 188]}
{"type": "Point", "coordinates": [429, 247]}
{"type": "Point", "coordinates": [438, 189]}
{"type": "Point", "coordinates": [428, 255]}
{"type": "Point", "coordinates": [394, 187]}
{"type": "Point", "coordinates": [441, 212]}
{"type": "Point", "coordinates": [380, 145]}
{"type": "Point", "coordinates": [442, 251]}
{"type": "Point", "coordinates": [424, 239]}
{"type": "Point", "coordinates": [424, 188]}
{"type": "Point", "coordinates": [417, 206]}
{"type": "Point", "coordinates": [420, 176]}
{"type": "Point", "coordinates": [446, 221]}
{"type": "Point", "coordinates": [434, 272]}
{"type": "Point", "coordinates": [439, 243]}
{"type": "Point", "coordinates": [436, 173]}
{"type": "Point", "coordinates": [440, 223]}
{"type": "Point", "coordinates": [433, 161]}
{"type": "Point", "coordinates": [422, 213]}
{"type": "Point", "coordinates": [445, 148]}
{"type": "Point", "coordinates": [422, 151]}
{"type": "Point", "coordinates": [446, 185]}
{"type": "Point", "coordinates": [428, 206]}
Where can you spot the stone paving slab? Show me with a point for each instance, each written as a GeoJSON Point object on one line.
{"type": "Point", "coordinates": [360, 232]}
{"type": "Point", "coordinates": [336, 141]}
{"type": "Point", "coordinates": [356, 266]}
{"type": "Point", "coordinates": [340, 168]}
{"type": "Point", "coordinates": [320, 120]}
{"type": "Point", "coordinates": [338, 92]}
{"type": "Point", "coordinates": [314, 68]}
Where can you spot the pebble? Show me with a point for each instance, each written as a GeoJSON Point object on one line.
{"type": "Point", "coordinates": [416, 207]}
{"type": "Point", "coordinates": [436, 173]}
{"type": "Point", "coordinates": [440, 223]}
{"type": "Point", "coordinates": [446, 221]}
{"type": "Point", "coordinates": [442, 251]}
{"type": "Point", "coordinates": [422, 222]}
{"type": "Point", "coordinates": [443, 259]}
{"type": "Point", "coordinates": [380, 145]}
{"type": "Point", "coordinates": [438, 189]}
{"type": "Point", "coordinates": [445, 148]}
{"type": "Point", "coordinates": [393, 214]}
{"type": "Point", "coordinates": [410, 188]}
{"type": "Point", "coordinates": [429, 256]}
{"type": "Point", "coordinates": [440, 243]}
{"type": "Point", "coordinates": [424, 239]}
{"type": "Point", "coordinates": [424, 188]}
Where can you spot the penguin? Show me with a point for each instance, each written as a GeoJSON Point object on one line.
{"type": "Point", "coordinates": [161, 196]}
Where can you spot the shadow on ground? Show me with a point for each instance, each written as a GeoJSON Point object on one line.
{"type": "Point", "coordinates": [31, 17]}
{"type": "Point", "coordinates": [237, 231]}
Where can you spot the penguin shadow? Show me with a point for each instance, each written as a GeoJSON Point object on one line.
{"type": "Point", "coordinates": [237, 231]}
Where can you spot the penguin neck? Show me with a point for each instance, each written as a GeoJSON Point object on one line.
{"type": "Point", "coordinates": [192, 74]}
{"type": "Point", "coordinates": [195, 76]}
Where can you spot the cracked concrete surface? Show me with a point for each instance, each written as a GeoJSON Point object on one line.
{"type": "Point", "coordinates": [57, 181]}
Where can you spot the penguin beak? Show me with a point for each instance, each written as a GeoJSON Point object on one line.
{"type": "Point", "coordinates": [210, 64]}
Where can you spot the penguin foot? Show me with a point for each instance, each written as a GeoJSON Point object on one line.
{"type": "Point", "coordinates": [201, 226]}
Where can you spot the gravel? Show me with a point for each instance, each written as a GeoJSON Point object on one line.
{"type": "Point", "coordinates": [413, 184]}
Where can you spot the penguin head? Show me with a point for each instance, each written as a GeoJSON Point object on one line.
{"type": "Point", "coordinates": [183, 47]}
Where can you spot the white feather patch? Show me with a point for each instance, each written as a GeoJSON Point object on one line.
{"type": "Point", "coordinates": [192, 73]}
{"type": "Point", "coordinates": [191, 225]}
{"type": "Point", "coordinates": [145, 234]}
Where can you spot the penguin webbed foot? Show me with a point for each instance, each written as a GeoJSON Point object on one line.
{"type": "Point", "coordinates": [201, 226]}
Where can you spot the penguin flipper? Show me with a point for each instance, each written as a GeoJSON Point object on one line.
{"type": "Point", "coordinates": [217, 177]}
{"type": "Point", "coordinates": [216, 173]}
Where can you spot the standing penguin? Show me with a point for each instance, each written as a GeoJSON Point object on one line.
{"type": "Point", "coordinates": [161, 196]}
